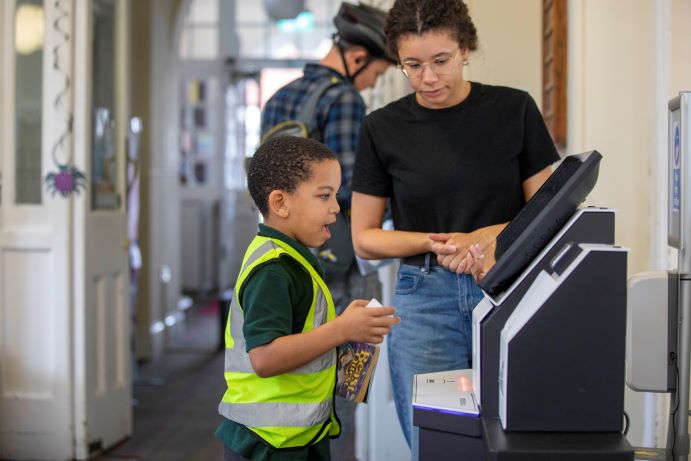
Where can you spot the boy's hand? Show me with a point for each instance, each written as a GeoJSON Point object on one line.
{"type": "Point", "coordinates": [360, 324]}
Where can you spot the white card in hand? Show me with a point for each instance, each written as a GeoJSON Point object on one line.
{"type": "Point", "coordinates": [374, 303]}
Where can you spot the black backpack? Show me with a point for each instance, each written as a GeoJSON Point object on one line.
{"type": "Point", "coordinates": [336, 255]}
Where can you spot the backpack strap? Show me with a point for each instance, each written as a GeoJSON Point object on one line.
{"type": "Point", "coordinates": [308, 112]}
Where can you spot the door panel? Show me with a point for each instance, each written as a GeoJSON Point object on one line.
{"type": "Point", "coordinates": [103, 381]}
{"type": "Point", "coordinates": [108, 381]}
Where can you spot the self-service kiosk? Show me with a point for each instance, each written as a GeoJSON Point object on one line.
{"type": "Point", "coordinates": [548, 340]}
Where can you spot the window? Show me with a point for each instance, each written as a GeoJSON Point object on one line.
{"type": "Point", "coordinates": [199, 39]}
{"type": "Point", "coordinates": [29, 23]}
{"type": "Point", "coordinates": [104, 165]}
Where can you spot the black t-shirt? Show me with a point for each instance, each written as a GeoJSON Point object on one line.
{"type": "Point", "coordinates": [455, 169]}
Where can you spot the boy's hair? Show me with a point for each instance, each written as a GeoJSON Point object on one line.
{"type": "Point", "coordinates": [283, 163]}
{"type": "Point", "coordinates": [420, 16]}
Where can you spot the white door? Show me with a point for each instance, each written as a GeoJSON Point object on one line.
{"type": "Point", "coordinates": [102, 332]}
{"type": "Point", "coordinates": [36, 312]}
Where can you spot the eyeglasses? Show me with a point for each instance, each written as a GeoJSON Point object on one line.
{"type": "Point", "coordinates": [441, 65]}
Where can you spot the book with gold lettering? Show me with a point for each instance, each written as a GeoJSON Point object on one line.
{"type": "Point", "coordinates": [355, 370]}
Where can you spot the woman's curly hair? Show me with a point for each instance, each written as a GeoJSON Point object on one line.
{"type": "Point", "coordinates": [417, 17]}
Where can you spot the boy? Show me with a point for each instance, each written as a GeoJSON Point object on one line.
{"type": "Point", "coordinates": [282, 331]}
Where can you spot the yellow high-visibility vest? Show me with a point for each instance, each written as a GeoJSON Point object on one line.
{"type": "Point", "coordinates": [292, 409]}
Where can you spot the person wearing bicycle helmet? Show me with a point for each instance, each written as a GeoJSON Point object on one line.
{"type": "Point", "coordinates": [357, 58]}
{"type": "Point", "coordinates": [361, 27]}
{"type": "Point", "coordinates": [354, 62]}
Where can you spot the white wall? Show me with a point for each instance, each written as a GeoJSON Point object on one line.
{"type": "Point", "coordinates": [509, 44]}
{"type": "Point", "coordinates": [611, 110]}
{"type": "Point", "coordinates": [680, 43]}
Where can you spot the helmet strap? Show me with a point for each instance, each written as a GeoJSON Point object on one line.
{"type": "Point", "coordinates": [351, 78]}
{"type": "Point", "coordinates": [341, 52]}
{"type": "Point", "coordinates": [367, 63]}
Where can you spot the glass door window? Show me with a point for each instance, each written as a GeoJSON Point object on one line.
{"type": "Point", "coordinates": [104, 164]}
{"type": "Point", "coordinates": [29, 23]}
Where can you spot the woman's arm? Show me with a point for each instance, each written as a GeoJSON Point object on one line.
{"type": "Point", "coordinates": [371, 241]}
{"type": "Point", "coordinates": [533, 183]}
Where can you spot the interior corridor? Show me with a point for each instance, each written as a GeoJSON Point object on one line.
{"type": "Point", "coordinates": [175, 397]}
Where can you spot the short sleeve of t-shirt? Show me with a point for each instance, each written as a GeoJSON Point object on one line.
{"type": "Point", "coordinates": [372, 178]}
{"type": "Point", "coordinates": [276, 299]}
{"type": "Point", "coordinates": [538, 148]}
{"type": "Point", "coordinates": [267, 312]}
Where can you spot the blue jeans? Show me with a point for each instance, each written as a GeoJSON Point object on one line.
{"type": "Point", "coordinates": [435, 306]}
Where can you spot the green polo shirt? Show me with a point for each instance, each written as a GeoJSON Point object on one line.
{"type": "Point", "coordinates": [275, 299]}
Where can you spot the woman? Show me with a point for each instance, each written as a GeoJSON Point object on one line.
{"type": "Point", "coordinates": [457, 160]}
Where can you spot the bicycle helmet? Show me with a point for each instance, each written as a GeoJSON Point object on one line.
{"type": "Point", "coordinates": [362, 25]}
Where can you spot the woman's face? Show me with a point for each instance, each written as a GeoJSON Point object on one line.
{"type": "Point", "coordinates": [433, 63]}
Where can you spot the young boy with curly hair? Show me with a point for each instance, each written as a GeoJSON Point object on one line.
{"type": "Point", "coordinates": [282, 331]}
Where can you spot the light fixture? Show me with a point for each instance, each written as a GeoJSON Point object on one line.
{"type": "Point", "coordinates": [29, 29]}
{"type": "Point", "coordinates": [303, 22]}
{"type": "Point", "coordinates": [283, 9]}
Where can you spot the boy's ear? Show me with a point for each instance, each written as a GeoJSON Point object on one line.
{"type": "Point", "coordinates": [278, 203]}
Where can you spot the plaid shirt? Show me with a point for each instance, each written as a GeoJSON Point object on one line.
{"type": "Point", "coordinates": [340, 113]}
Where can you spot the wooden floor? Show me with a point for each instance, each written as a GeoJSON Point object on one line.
{"type": "Point", "coordinates": [176, 397]}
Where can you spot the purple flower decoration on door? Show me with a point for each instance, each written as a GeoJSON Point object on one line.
{"type": "Point", "coordinates": [66, 180]}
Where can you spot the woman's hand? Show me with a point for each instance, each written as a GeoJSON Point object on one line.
{"type": "Point", "coordinates": [480, 262]}
{"type": "Point", "coordinates": [453, 250]}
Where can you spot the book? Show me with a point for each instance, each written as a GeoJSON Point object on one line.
{"type": "Point", "coordinates": [355, 367]}
{"type": "Point", "coordinates": [355, 370]}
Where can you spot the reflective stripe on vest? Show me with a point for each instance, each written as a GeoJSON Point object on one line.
{"type": "Point", "coordinates": [291, 409]}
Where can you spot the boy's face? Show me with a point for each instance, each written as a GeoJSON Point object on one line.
{"type": "Point", "coordinates": [313, 206]}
